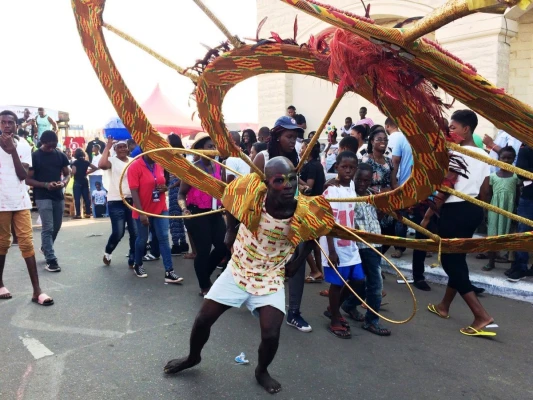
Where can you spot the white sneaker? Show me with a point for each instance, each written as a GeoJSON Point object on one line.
{"type": "Point", "coordinates": [150, 257]}
{"type": "Point", "coordinates": [107, 259]}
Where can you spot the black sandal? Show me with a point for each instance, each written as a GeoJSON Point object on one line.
{"type": "Point", "coordinates": [342, 320]}
{"type": "Point", "coordinates": [376, 330]}
{"type": "Point", "coordinates": [340, 331]}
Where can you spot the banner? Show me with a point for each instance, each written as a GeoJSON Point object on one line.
{"type": "Point", "coordinates": [19, 110]}
{"type": "Point", "coordinates": [74, 142]}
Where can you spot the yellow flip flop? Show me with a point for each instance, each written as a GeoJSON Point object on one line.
{"type": "Point", "coordinates": [433, 309]}
{"type": "Point", "coordinates": [480, 332]}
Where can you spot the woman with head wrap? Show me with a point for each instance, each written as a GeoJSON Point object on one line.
{"type": "Point", "coordinates": [119, 213]}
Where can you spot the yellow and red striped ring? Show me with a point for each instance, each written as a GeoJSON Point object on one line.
{"type": "Point", "coordinates": [175, 150]}
{"type": "Point", "coordinates": [357, 237]}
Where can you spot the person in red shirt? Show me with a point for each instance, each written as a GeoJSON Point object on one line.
{"type": "Point", "coordinates": [147, 183]}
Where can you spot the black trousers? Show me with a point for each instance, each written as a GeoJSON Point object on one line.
{"type": "Point", "coordinates": [419, 256]}
{"type": "Point", "coordinates": [207, 233]}
{"type": "Point", "coordinates": [458, 220]}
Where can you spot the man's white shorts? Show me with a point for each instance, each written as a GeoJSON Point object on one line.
{"type": "Point", "coordinates": [225, 291]}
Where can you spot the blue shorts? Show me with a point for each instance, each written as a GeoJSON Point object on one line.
{"type": "Point", "coordinates": [225, 291]}
{"type": "Point", "coordinates": [351, 273]}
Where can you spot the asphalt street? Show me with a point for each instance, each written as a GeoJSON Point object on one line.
{"type": "Point", "coordinates": [110, 334]}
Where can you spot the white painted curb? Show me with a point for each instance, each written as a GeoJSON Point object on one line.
{"type": "Point", "coordinates": [495, 285]}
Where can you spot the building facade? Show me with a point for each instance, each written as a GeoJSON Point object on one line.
{"type": "Point", "coordinates": [500, 47]}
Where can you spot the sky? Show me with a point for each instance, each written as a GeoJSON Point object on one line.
{"type": "Point", "coordinates": [50, 68]}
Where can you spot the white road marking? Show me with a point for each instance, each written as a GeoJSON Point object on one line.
{"type": "Point", "coordinates": [36, 348]}
{"type": "Point", "coordinates": [20, 320]}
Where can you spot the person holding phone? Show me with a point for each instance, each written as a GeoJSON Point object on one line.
{"type": "Point", "coordinates": [15, 205]}
{"type": "Point", "coordinates": [49, 175]}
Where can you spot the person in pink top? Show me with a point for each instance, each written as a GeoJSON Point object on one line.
{"type": "Point", "coordinates": [363, 119]}
{"type": "Point", "coordinates": [208, 231]}
{"type": "Point", "coordinates": [148, 192]}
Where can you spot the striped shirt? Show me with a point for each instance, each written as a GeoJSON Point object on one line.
{"type": "Point", "coordinates": [366, 217]}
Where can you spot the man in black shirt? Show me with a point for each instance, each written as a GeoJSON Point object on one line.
{"type": "Point", "coordinates": [299, 118]}
{"type": "Point", "coordinates": [313, 178]}
{"type": "Point", "coordinates": [525, 209]}
{"type": "Point", "coordinates": [49, 165]}
{"type": "Point", "coordinates": [89, 149]}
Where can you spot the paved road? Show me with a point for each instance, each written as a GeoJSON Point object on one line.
{"type": "Point", "coordinates": [111, 334]}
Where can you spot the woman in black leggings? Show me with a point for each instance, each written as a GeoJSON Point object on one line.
{"type": "Point", "coordinates": [460, 219]}
{"type": "Point", "coordinates": [207, 231]}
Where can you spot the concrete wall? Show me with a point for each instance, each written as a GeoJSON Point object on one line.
{"type": "Point", "coordinates": [311, 96]}
{"type": "Point", "coordinates": [521, 61]}
{"type": "Point", "coordinates": [483, 41]}
{"type": "Point", "coordinates": [500, 48]}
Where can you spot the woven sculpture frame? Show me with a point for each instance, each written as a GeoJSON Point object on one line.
{"type": "Point", "coordinates": [428, 143]}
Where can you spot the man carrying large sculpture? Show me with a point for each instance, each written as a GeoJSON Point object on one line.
{"type": "Point", "coordinates": [272, 223]}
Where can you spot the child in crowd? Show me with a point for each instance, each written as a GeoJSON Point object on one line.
{"type": "Point", "coordinates": [332, 148]}
{"type": "Point", "coordinates": [305, 143]}
{"type": "Point", "coordinates": [346, 144]}
{"type": "Point", "coordinates": [503, 194]}
{"type": "Point", "coordinates": [366, 219]}
{"type": "Point", "coordinates": [343, 253]}
{"type": "Point", "coordinates": [99, 197]}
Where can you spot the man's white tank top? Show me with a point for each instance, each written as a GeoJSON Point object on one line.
{"type": "Point", "coordinates": [43, 125]}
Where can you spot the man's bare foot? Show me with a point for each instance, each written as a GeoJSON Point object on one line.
{"type": "Point", "coordinates": [264, 379]}
{"type": "Point", "coordinates": [4, 293]}
{"type": "Point", "coordinates": [480, 324]}
{"type": "Point", "coordinates": [179, 364]}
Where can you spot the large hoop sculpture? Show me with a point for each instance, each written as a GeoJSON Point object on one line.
{"type": "Point", "coordinates": [419, 63]}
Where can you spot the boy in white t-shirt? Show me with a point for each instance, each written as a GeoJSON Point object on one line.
{"type": "Point", "coordinates": [99, 198]}
{"type": "Point", "coordinates": [15, 204]}
{"type": "Point", "coordinates": [343, 253]}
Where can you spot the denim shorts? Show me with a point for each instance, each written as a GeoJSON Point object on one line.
{"type": "Point", "coordinates": [225, 291]}
{"type": "Point", "coordinates": [351, 273]}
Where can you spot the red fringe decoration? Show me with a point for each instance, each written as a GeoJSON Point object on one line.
{"type": "Point", "coordinates": [349, 57]}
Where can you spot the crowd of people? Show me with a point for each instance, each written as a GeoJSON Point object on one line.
{"type": "Point", "coordinates": [366, 159]}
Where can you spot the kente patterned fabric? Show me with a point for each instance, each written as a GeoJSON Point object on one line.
{"type": "Point", "coordinates": [244, 199]}
{"type": "Point", "coordinates": [258, 260]}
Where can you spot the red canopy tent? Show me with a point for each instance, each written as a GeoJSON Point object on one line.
{"type": "Point", "coordinates": [166, 117]}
